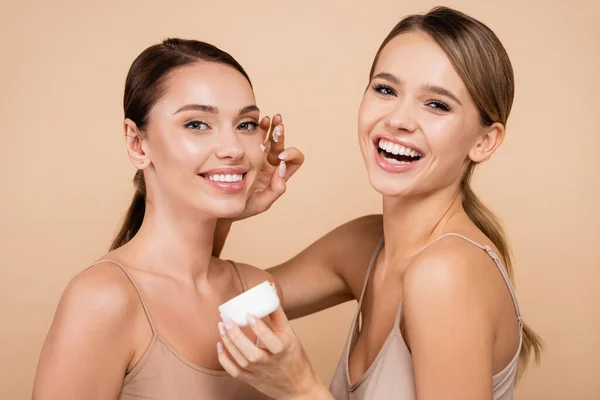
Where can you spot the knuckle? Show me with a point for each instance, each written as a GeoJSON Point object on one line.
{"type": "Point", "coordinates": [254, 358]}
{"type": "Point", "coordinates": [278, 348]}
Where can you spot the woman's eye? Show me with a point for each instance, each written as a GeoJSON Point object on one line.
{"type": "Point", "coordinates": [196, 125]}
{"type": "Point", "coordinates": [247, 126]}
{"type": "Point", "coordinates": [438, 105]}
{"type": "Point", "coordinates": [384, 90]}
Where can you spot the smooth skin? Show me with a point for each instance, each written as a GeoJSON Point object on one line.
{"type": "Point", "coordinates": [100, 330]}
{"type": "Point", "coordinates": [458, 317]}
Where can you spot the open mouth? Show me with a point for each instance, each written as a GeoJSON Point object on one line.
{"type": "Point", "coordinates": [395, 153]}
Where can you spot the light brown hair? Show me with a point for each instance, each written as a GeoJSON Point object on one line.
{"type": "Point", "coordinates": [484, 66]}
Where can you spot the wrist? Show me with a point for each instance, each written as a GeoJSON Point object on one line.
{"type": "Point", "coordinates": [311, 389]}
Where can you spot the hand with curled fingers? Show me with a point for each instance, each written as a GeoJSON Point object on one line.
{"type": "Point", "coordinates": [280, 165]}
{"type": "Point", "coordinates": [279, 367]}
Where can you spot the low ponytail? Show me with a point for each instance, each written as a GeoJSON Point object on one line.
{"type": "Point", "coordinates": [481, 61]}
{"type": "Point", "coordinates": [135, 214]}
{"type": "Point", "coordinates": [489, 224]}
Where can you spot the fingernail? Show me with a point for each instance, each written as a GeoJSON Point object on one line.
{"type": "Point", "coordinates": [221, 329]}
{"type": "Point", "coordinates": [282, 169]}
{"type": "Point", "coordinates": [228, 324]}
{"type": "Point", "coordinates": [219, 347]}
{"type": "Point", "coordinates": [251, 319]}
{"type": "Point", "coordinates": [276, 133]}
{"type": "Point", "coordinates": [283, 155]}
{"type": "Point", "coordinates": [263, 148]}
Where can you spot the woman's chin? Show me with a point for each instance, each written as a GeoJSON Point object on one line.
{"type": "Point", "coordinates": [388, 187]}
{"type": "Point", "coordinates": [229, 210]}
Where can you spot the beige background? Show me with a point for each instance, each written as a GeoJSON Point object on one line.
{"type": "Point", "coordinates": [65, 176]}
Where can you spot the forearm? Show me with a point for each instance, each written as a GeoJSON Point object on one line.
{"type": "Point", "coordinates": [318, 392]}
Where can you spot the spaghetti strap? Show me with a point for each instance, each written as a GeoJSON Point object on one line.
{"type": "Point", "coordinates": [139, 293]}
{"type": "Point", "coordinates": [239, 274]}
{"type": "Point", "coordinates": [451, 234]}
{"type": "Point", "coordinates": [496, 260]}
{"type": "Point", "coordinates": [371, 262]}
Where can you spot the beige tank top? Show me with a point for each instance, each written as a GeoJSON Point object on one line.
{"type": "Point", "coordinates": [391, 374]}
{"type": "Point", "coordinates": [163, 374]}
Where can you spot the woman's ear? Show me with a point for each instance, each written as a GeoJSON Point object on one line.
{"type": "Point", "coordinates": [487, 143]}
{"type": "Point", "coordinates": [135, 145]}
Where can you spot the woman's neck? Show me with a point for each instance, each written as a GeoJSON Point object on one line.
{"type": "Point", "coordinates": [409, 223]}
{"type": "Point", "coordinates": [174, 242]}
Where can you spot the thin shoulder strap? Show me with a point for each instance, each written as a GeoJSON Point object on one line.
{"type": "Point", "coordinates": [373, 258]}
{"type": "Point", "coordinates": [139, 293]}
{"type": "Point", "coordinates": [498, 263]}
{"type": "Point", "coordinates": [237, 270]}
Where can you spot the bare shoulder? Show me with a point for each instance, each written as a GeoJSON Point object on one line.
{"type": "Point", "coordinates": [255, 276]}
{"type": "Point", "coordinates": [448, 273]}
{"type": "Point", "coordinates": [90, 342]}
{"type": "Point", "coordinates": [102, 293]}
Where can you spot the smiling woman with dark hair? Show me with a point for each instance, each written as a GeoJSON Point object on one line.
{"type": "Point", "coordinates": [134, 325]}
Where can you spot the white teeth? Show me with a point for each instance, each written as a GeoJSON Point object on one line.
{"type": "Point", "coordinates": [225, 178]}
{"type": "Point", "coordinates": [397, 149]}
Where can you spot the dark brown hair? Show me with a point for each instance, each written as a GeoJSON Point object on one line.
{"type": "Point", "coordinates": [484, 66]}
{"type": "Point", "coordinates": [144, 87]}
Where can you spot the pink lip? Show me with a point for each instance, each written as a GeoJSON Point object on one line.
{"type": "Point", "coordinates": [394, 168]}
{"type": "Point", "coordinates": [226, 187]}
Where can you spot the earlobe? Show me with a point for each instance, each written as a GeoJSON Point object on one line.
{"type": "Point", "coordinates": [487, 143]}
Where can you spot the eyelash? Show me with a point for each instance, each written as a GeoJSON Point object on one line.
{"type": "Point", "coordinates": [190, 125]}
{"type": "Point", "coordinates": [195, 125]}
{"type": "Point", "coordinates": [438, 105]}
{"type": "Point", "coordinates": [379, 88]}
{"type": "Point", "coordinates": [253, 123]}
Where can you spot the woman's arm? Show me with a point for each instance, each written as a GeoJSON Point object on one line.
{"type": "Point", "coordinates": [89, 345]}
{"type": "Point", "coordinates": [331, 270]}
{"type": "Point", "coordinates": [448, 321]}
{"type": "Point", "coordinates": [328, 272]}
